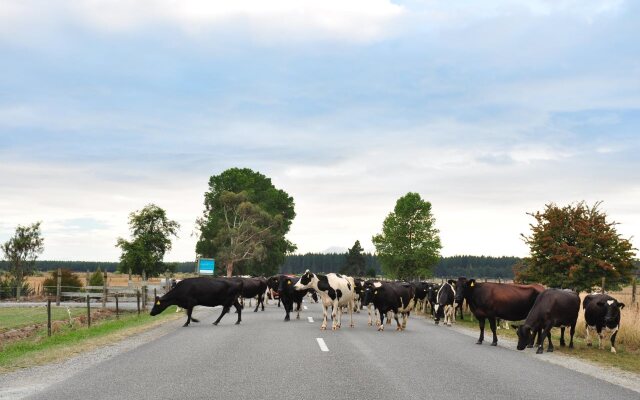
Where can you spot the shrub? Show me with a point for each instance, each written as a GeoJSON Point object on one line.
{"type": "Point", "coordinates": [69, 281]}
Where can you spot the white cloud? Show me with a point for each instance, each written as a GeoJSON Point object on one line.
{"type": "Point", "coordinates": [274, 20]}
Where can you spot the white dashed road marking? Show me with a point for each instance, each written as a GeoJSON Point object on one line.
{"type": "Point", "coordinates": [322, 344]}
{"type": "Point", "coordinates": [310, 319]}
{"type": "Point", "coordinates": [305, 307]}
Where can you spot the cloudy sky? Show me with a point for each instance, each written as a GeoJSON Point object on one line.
{"type": "Point", "coordinates": [488, 109]}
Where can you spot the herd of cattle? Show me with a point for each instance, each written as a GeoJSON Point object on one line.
{"type": "Point", "coordinates": [541, 309]}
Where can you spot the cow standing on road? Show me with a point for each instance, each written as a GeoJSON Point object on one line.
{"type": "Point", "coordinates": [444, 307]}
{"type": "Point", "coordinates": [335, 291]}
{"type": "Point", "coordinates": [497, 300]}
{"type": "Point", "coordinates": [552, 308]}
{"type": "Point", "coordinates": [202, 291]}
{"type": "Point", "coordinates": [390, 297]}
{"type": "Point", "coordinates": [254, 287]}
{"type": "Point", "coordinates": [602, 314]}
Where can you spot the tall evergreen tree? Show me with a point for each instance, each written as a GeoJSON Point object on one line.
{"type": "Point", "coordinates": [355, 261]}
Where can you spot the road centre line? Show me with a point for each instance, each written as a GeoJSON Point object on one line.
{"type": "Point", "coordinates": [310, 319]}
{"type": "Point", "coordinates": [305, 307]}
{"type": "Point", "coordinates": [322, 344]}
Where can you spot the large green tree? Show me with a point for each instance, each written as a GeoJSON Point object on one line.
{"type": "Point", "coordinates": [409, 245]}
{"type": "Point", "coordinates": [151, 232]}
{"type": "Point", "coordinates": [355, 261]}
{"type": "Point", "coordinates": [259, 191]}
{"type": "Point", "coordinates": [21, 251]}
{"type": "Point", "coordinates": [575, 247]}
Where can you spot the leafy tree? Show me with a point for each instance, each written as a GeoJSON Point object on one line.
{"type": "Point", "coordinates": [355, 261]}
{"type": "Point", "coordinates": [9, 287]}
{"type": "Point", "coordinates": [151, 231]}
{"type": "Point", "coordinates": [68, 280]}
{"type": "Point", "coordinates": [574, 247]}
{"type": "Point", "coordinates": [247, 229]}
{"type": "Point", "coordinates": [21, 251]}
{"type": "Point", "coordinates": [409, 244]}
{"type": "Point", "coordinates": [259, 191]}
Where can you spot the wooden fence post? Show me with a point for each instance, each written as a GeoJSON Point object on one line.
{"type": "Point", "coordinates": [88, 313]}
{"type": "Point", "coordinates": [49, 317]}
{"type": "Point", "coordinates": [603, 283]}
{"type": "Point", "coordinates": [58, 284]}
{"type": "Point", "coordinates": [104, 289]}
{"type": "Point", "coordinates": [144, 297]}
{"type": "Point", "coordinates": [634, 288]}
{"type": "Point", "coordinates": [117, 309]}
{"type": "Point", "coordinates": [138, 300]}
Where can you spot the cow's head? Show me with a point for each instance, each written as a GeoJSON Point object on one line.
{"type": "Point", "coordinates": [461, 285]}
{"type": "Point", "coordinates": [524, 336]}
{"type": "Point", "coordinates": [613, 307]}
{"type": "Point", "coordinates": [284, 283]}
{"type": "Point", "coordinates": [158, 306]}
{"type": "Point", "coordinates": [370, 290]}
{"type": "Point", "coordinates": [306, 281]}
{"type": "Point", "coordinates": [273, 282]}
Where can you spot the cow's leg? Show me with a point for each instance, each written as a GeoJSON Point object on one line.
{"type": "Point", "coordinates": [600, 337]}
{"type": "Point", "coordinates": [299, 306]}
{"type": "Point", "coordinates": [550, 346]}
{"type": "Point", "coordinates": [381, 326]}
{"type": "Point", "coordinates": [189, 311]}
{"type": "Point", "coordinates": [324, 316]}
{"type": "Point", "coordinates": [257, 304]}
{"type": "Point", "coordinates": [481, 321]}
{"type": "Point", "coordinates": [388, 317]}
{"type": "Point", "coordinates": [562, 342]}
{"type": "Point", "coordinates": [334, 315]}
{"type": "Point", "coordinates": [587, 336]}
{"type": "Point", "coordinates": [398, 324]}
{"type": "Point", "coordinates": [370, 321]}
{"type": "Point", "coordinates": [613, 339]}
{"type": "Point", "coordinates": [278, 301]}
{"type": "Point", "coordinates": [492, 324]}
{"type": "Point", "coordinates": [572, 331]}
{"type": "Point", "coordinates": [351, 325]}
{"type": "Point", "coordinates": [534, 335]}
{"type": "Point", "coordinates": [288, 307]}
{"type": "Point", "coordinates": [236, 304]}
{"type": "Point", "coordinates": [225, 309]}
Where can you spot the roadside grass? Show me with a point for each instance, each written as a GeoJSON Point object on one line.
{"type": "Point", "coordinates": [18, 317]}
{"type": "Point", "coordinates": [627, 357]}
{"type": "Point", "coordinates": [72, 340]}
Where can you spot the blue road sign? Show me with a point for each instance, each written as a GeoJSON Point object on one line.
{"type": "Point", "coordinates": [206, 266]}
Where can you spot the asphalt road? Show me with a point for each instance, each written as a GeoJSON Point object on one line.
{"type": "Point", "coordinates": [266, 358]}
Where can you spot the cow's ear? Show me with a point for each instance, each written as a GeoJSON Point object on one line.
{"type": "Point", "coordinates": [288, 281]}
{"type": "Point", "coordinates": [157, 300]}
{"type": "Point", "coordinates": [451, 282]}
{"type": "Point", "coordinates": [621, 305]}
{"type": "Point", "coordinates": [472, 282]}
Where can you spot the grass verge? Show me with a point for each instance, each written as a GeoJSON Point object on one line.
{"type": "Point", "coordinates": [18, 317]}
{"type": "Point", "coordinates": [627, 359]}
{"type": "Point", "coordinates": [73, 340]}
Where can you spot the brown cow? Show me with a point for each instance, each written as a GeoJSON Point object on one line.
{"type": "Point", "coordinates": [497, 300]}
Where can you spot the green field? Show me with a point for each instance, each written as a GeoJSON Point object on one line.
{"type": "Point", "coordinates": [18, 317]}
{"type": "Point", "coordinates": [69, 340]}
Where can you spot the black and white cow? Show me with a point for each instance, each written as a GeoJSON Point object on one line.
{"type": "Point", "coordinates": [202, 291]}
{"type": "Point", "coordinates": [552, 308]}
{"type": "Point", "coordinates": [602, 314]}
{"type": "Point", "coordinates": [432, 297]}
{"type": "Point", "coordinates": [358, 294]}
{"type": "Point", "coordinates": [444, 307]}
{"type": "Point", "coordinates": [335, 291]}
{"type": "Point", "coordinates": [390, 297]}
{"type": "Point", "coordinates": [421, 289]}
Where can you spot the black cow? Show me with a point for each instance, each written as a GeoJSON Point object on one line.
{"type": "Point", "coordinates": [254, 287]}
{"type": "Point", "coordinates": [202, 291]}
{"type": "Point", "coordinates": [552, 308]}
{"type": "Point", "coordinates": [497, 300]}
{"type": "Point", "coordinates": [444, 307]}
{"type": "Point", "coordinates": [389, 296]}
{"type": "Point", "coordinates": [432, 297]}
{"type": "Point", "coordinates": [602, 312]}
{"type": "Point", "coordinates": [359, 294]}
{"type": "Point", "coordinates": [421, 289]}
{"type": "Point", "coordinates": [288, 296]}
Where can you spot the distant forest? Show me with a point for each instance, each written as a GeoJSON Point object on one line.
{"type": "Point", "coordinates": [448, 267]}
